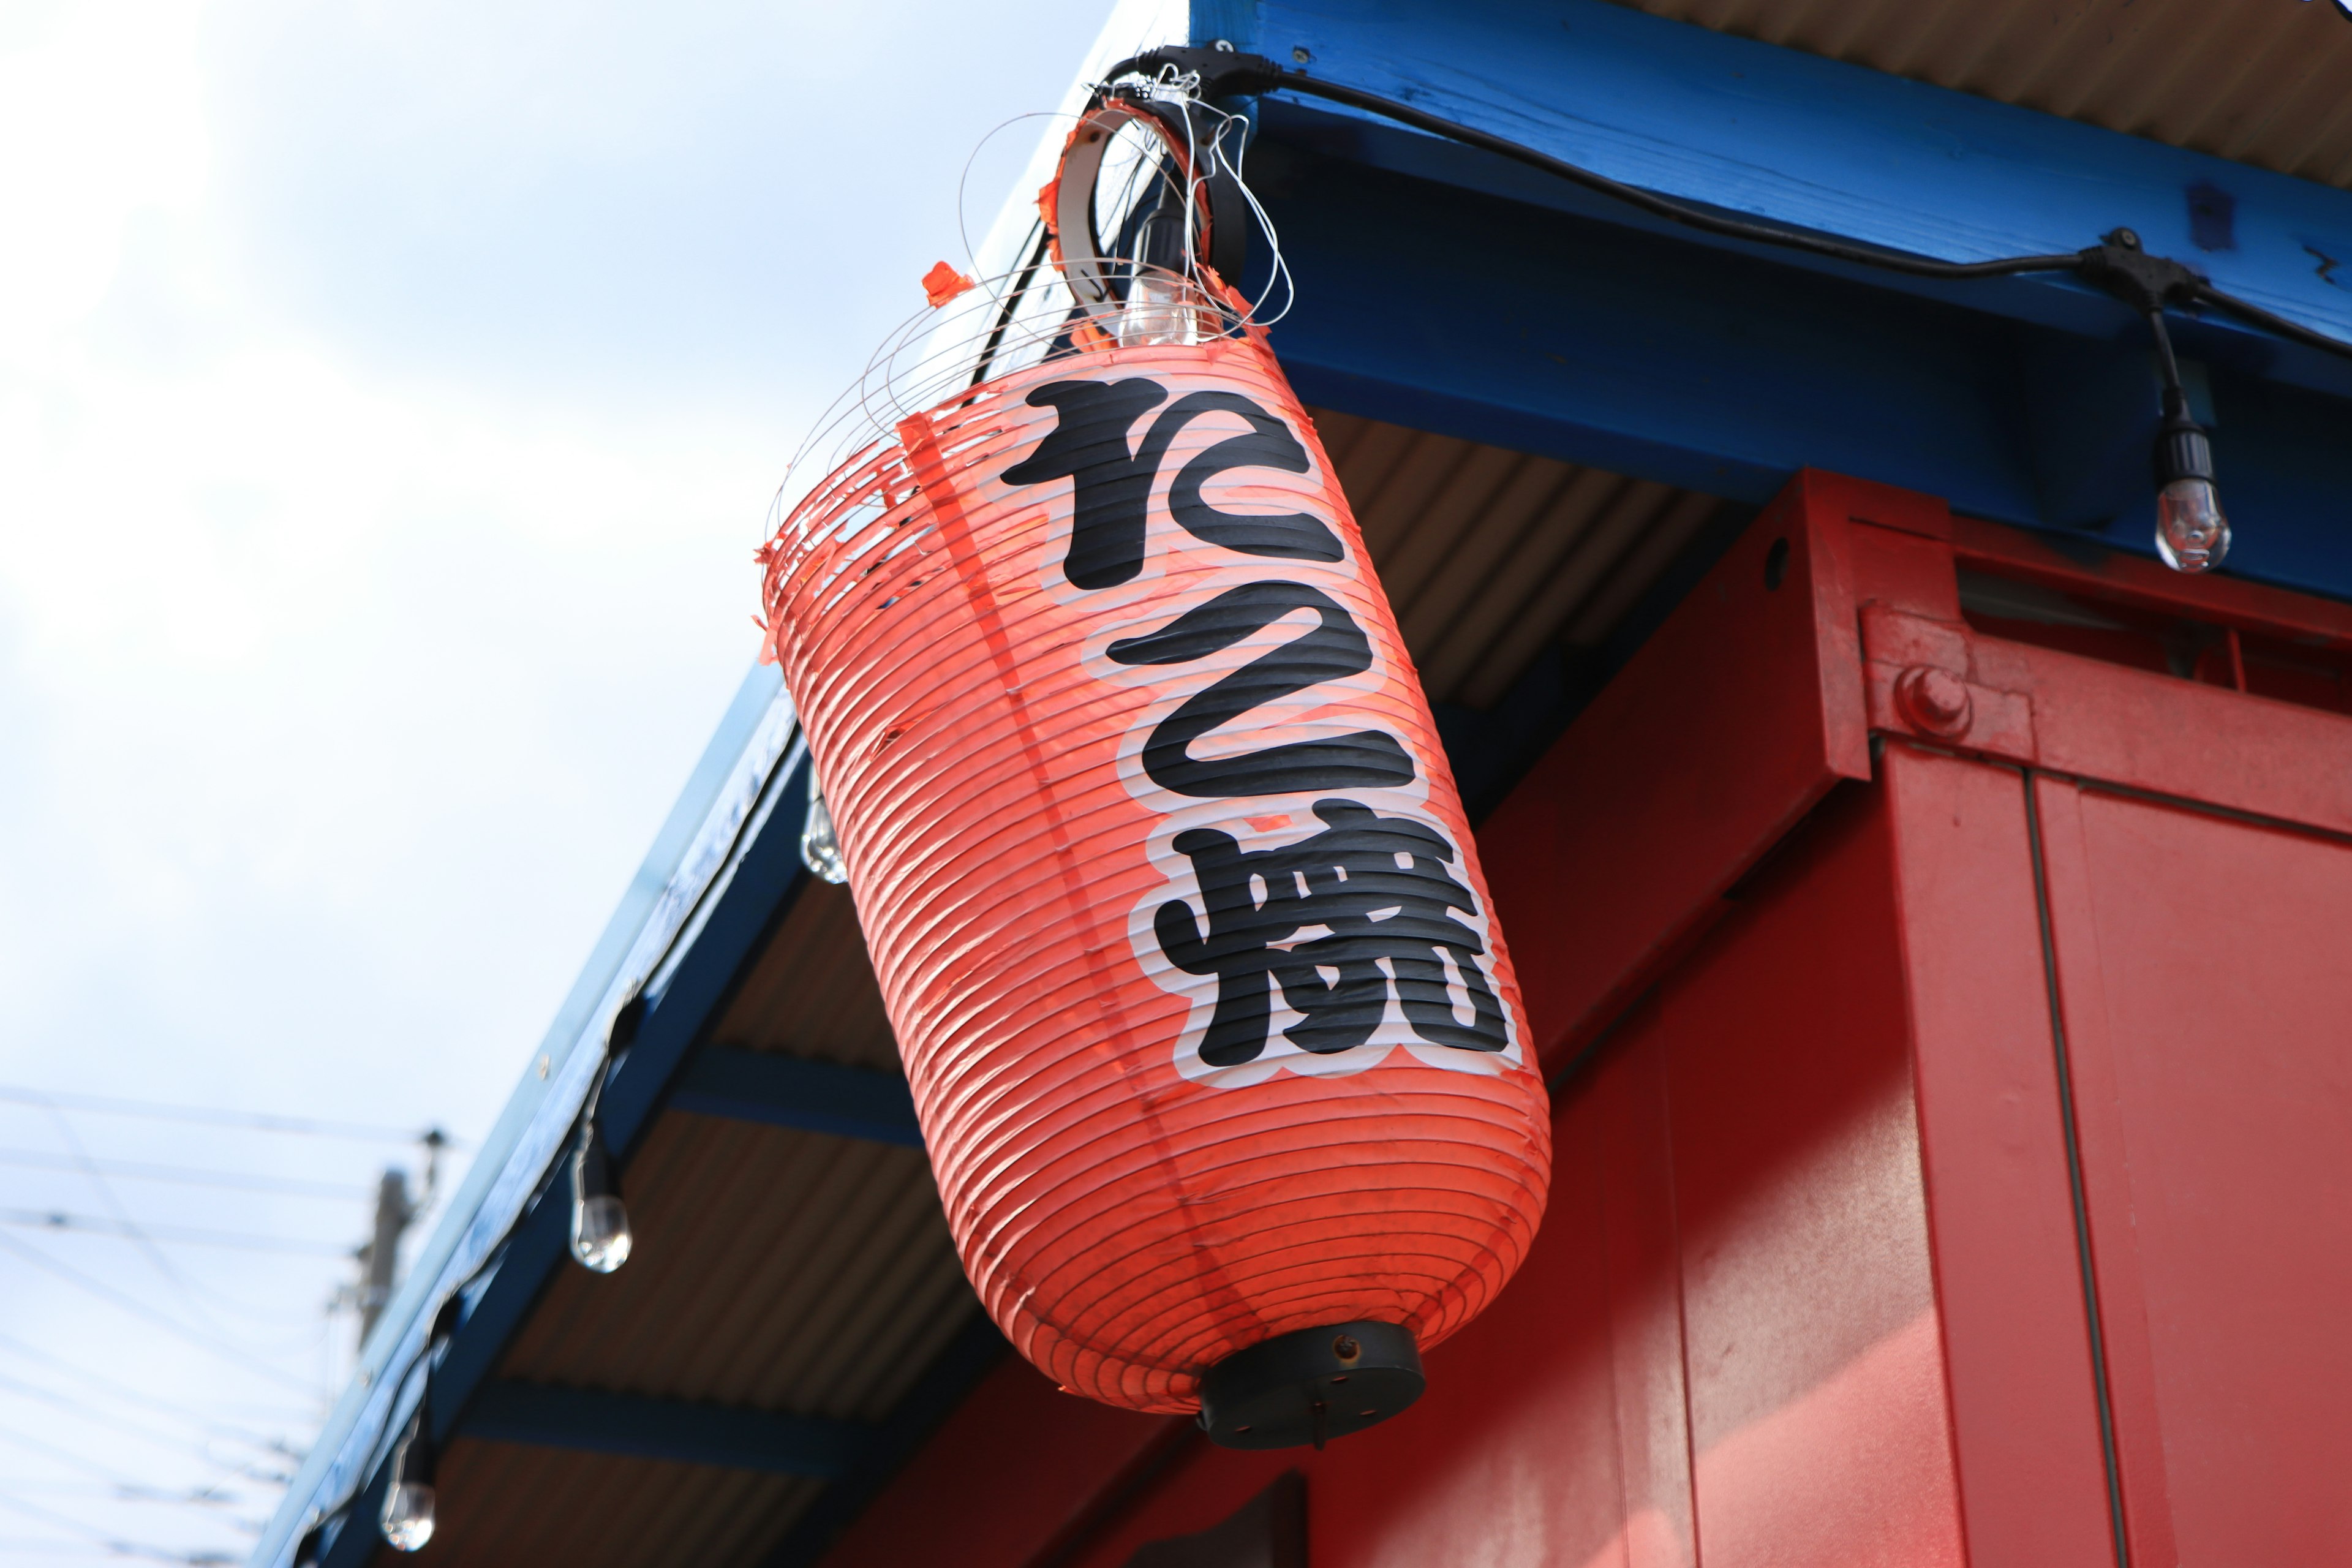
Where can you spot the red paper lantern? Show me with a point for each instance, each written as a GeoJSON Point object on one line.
{"type": "Point", "coordinates": [1215, 1044]}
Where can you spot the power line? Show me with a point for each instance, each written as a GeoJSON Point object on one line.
{"type": "Point", "coordinates": [131, 1489]}
{"type": "Point", "coordinates": [113, 1544]}
{"type": "Point", "coordinates": [84, 1549]}
{"type": "Point", "coordinates": [130, 1396]}
{"type": "Point", "coordinates": [216, 1493]}
{"type": "Point", "coordinates": [231, 1471]}
{"type": "Point", "coordinates": [186, 1236]}
{"type": "Point", "coordinates": [182, 1444]}
{"type": "Point", "coordinates": [65, 1457]}
{"type": "Point", "coordinates": [189, 1175]}
{"type": "Point", "coordinates": [124, 1487]}
{"type": "Point", "coordinates": [261, 1120]}
{"type": "Point", "coordinates": [73, 1276]}
{"type": "Point", "coordinates": [110, 1491]}
{"type": "Point", "coordinates": [57, 1548]}
{"type": "Point", "coordinates": [130, 1227]}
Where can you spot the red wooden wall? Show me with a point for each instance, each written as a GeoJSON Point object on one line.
{"type": "Point", "coordinates": [1955, 1164]}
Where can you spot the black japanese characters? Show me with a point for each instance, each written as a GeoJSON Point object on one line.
{"type": "Point", "coordinates": [1379, 886]}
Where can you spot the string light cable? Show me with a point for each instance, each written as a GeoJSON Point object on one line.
{"type": "Point", "coordinates": [600, 1241]}
{"type": "Point", "coordinates": [2191, 536]}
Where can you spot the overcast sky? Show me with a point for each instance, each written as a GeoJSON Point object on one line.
{"type": "Point", "coordinates": [390, 398]}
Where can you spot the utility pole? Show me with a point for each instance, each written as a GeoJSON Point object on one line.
{"type": "Point", "coordinates": [381, 1256]}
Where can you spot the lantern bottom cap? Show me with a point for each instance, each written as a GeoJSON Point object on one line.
{"type": "Point", "coordinates": [1310, 1385]}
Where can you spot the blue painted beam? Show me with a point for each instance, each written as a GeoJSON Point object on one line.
{"type": "Point", "coordinates": [353, 1541]}
{"type": "Point", "coordinates": [793, 1091]}
{"type": "Point", "coordinates": [1521, 327]}
{"type": "Point", "coordinates": [1447, 309]}
{"type": "Point", "coordinates": [1802, 141]}
{"type": "Point", "coordinates": [597, 1421]}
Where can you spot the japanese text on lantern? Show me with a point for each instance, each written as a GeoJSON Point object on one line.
{"type": "Point", "coordinates": [1311, 915]}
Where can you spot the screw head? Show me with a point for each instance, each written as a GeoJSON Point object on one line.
{"type": "Point", "coordinates": [1346, 1348]}
{"type": "Point", "coordinates": [1935, 701]}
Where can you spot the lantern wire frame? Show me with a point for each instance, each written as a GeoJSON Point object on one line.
{"type": "Point", "coordinates": [1013, 320]}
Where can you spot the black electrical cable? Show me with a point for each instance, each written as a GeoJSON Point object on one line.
{"type": "Point", "coordinates": [1667, 207]}
{"type": "Point", "coordinates": [2269, 321]}
{"type": "Point", "coordinates": [2117, 264]}
{"type": "Point", "coordinates": [1005, 311]}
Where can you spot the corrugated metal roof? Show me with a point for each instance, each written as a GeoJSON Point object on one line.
{"type": "Point", "coordinates": [2266, 82]}
{"type": "Point", "coordinates": [500, 1504]}
{"type": "Point", "coordinates": [1488, 554]}
{"type": "Point", "coordinates": [778, 1009]}
{"type": "Point", "coordinates": [778, 1269]}
{"type": "Point", "coordinates": [798, 1272]}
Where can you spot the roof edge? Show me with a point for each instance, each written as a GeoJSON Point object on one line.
{"type": "Point", "coordinates": [686, 856]}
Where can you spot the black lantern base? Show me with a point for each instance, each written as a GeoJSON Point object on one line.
{"type": "Point", "coordinates": [1310, 1387]}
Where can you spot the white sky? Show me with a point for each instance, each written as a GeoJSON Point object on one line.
{"type": "Point", "coordinates": [390, 398]}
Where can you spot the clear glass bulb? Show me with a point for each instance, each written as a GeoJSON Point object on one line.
{"type": "Point", "coordinates": [2191, 534]}
{"type": "Point", "coordinates": [600, 1233]}
{"type": "Point", "coordinates": [408, 1518]}
{"type": "Point", "coordinates": [1161, 309]}
{"type": "Point", "coordinates": [821, 846]}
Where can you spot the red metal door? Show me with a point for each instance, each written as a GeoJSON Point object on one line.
{"type": "Point", "coordinates": [2205, 985]}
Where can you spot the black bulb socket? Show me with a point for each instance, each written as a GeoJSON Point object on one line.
{"type": "Point", "coordinates": [2182, 449]}
{"type": "Point", "coordinates": [592, 1167]}
{"type": "Point", "coordinates": [419, 1463]}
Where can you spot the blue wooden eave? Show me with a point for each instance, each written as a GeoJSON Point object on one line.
{"type": "Point", "coordinates": [1450, 290]}
{"type": "Point", "coordinates": [1810, 143]}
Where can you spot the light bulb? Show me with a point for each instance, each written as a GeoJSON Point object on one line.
{"type": "Point", "coordinates": [600, 1233]}
{"type": "Point", "coordinates": [408, 1518]}
{"type": "Point", "coordinates": [820, 844]}
{"type": "Point", "coordinates": [2191, 534]}
{"type": "Point", "coordinates": [1161, 309]}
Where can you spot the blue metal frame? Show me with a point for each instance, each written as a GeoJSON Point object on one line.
{"type": "Point", "coordinates": [790, 1091]}
{"type": "Point", "coordinates": [1446, 308]}
{"type": "Point", "coordinates": [592, 1421]}
{"type": "Point", "coordinates": [1454, 291]}
{"type": "Point", "coordinates": [1810, 143]}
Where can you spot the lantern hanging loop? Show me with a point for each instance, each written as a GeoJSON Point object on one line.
{"type": "Point", "coordinates": [1192, 223]}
